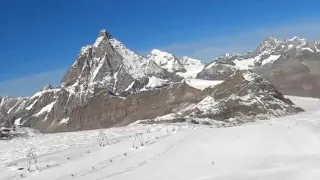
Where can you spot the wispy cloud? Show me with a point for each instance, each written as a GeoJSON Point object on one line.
{"type": "Point", "coordinates": [210, 47]}
{"type": "Point", "coordinates": [26, 86]}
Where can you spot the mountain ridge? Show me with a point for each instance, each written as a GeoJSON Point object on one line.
{"type": "Point", "coordinates": [122, 82]}
{"type": "Point", "coordinates": [280, 61]}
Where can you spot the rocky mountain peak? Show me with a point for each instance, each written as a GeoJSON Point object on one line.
{"type": "Point", "coordinates": [190, 61]}
{"type": "Point", "coordinates": [104, 33]}
{"type": "Point", "coordinates": [166, 60]}
{"type": "Point", "coordinates": [244, 96]}
{"type": "Point", "coordinates": [296, 41]}
{"type": "Point", "coordinates": [46, 87]}
{"type": "Point", "coordinates": [268, 44]}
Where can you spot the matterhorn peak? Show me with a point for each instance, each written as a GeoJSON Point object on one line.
{"type": "Point", "coordinates": [104, 33]}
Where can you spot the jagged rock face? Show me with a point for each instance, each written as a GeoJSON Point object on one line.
{"type": "Point", "coordinates": [243, 96]}
{"type": "Point", "coordinates": [8, 108]}
{"type": "Point", "coordinates": [46, 87]}
{"type": "Point", "coordinates": [166, 61]}
{"type": "Point", "coordinates": [291, 65]}
{"type": "Point", "coordinates": [216, 71]}
{"type": "Point", "coordinates": [109, 85]}
{"type": "Point", "coordinates": [103, 69]}
{"type": "Point", "coordinates": [115, 111]}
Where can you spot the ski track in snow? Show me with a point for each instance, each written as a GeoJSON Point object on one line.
{"type": "Point", "coordinates": [280, 148]}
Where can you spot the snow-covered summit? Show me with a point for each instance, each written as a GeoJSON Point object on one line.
{"type": "Point", "coordinates": [277, 60]}
{"type": "Point", "coordinates": [267, 45]}
{"type": "Point", "coordinates": [166, 60]}
{"type": "Point", "coordinates": [190, 61]}
{"type": "Point", "coordinates": [192, 67]}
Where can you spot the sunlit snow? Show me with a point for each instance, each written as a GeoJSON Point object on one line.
{"type": "Point", "coordinates": [281, 148]}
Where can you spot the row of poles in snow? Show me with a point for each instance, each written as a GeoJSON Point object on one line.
{"type": "Point", "coordinates": [32, 159]}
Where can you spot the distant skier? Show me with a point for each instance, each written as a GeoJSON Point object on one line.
{"type": "Point", "coordinates": [32, 158]}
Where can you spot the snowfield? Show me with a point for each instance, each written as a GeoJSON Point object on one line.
{"type": "Point", "coordinates": [201, 83]}
{"type": "Point", "coordinates": [284, 148]}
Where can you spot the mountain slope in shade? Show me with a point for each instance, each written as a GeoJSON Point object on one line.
{"type": "Point", "coordinates": [292, 65]}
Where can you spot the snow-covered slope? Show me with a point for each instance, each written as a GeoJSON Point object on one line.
{"type": "Point", "coordinates": [282, 148]}
{"type": "Point", "coordinates": [166, 61]}
{"type": "Point", "coordinates": [292, 65]}
{"type": "Point", "coordinates": [192, 66]}
{"type": "Point", "coordinates": [202, 84]}
{"type": "Point", "coordinates": [242, 97]}
{"type": "Point", "coordinates": [185, 67]}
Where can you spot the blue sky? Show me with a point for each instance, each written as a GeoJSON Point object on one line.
{"type": "Point", "coordinates": [40, 39]}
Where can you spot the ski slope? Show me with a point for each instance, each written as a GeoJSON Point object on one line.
{"type": "Point", "coordinates": [284, 148]}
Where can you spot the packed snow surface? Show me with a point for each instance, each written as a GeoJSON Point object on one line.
{"type": "Point", "coordinates": [285, 148]}
{"type": "Point", "coordinates": [155, 82]}
{"type": "Point", "coordinates": [163, 59]}
{"type": "Point", "coordinates": [270, 59]}
{"type": "Point", "coordinates": [192, 66]}
{"type": "Point", "coordinates": [201, 83]}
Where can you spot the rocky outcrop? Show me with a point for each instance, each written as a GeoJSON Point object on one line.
{"type": "Point", "coordinates": [117, 111]}
{"type": "Point", "coordinates": [166, 60]}
{"type": "Point", "coordinates": [244, 96]}
{"type": "Point", "coordinates": [292, 65]}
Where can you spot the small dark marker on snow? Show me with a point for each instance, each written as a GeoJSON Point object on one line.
{"type": "Point", "coordinates": [125, 154]}
{"type": "Point", "coordinates": [110, 160]}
